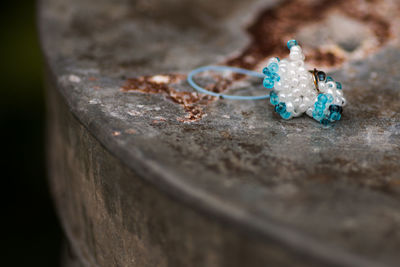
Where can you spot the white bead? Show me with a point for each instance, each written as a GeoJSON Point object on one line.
{"type": "Point", "coordinates": [298, 64]}
{"type": "Point", "coordinates": [339, 93]}
{"type": "Point", "coordinates": [286, 86]}
{"type": "Point", "coordinates": [283, 65]}
{"type": "Point", "coordinates": [331, 84]}
{"type": "Point", "coordinates": [302, 107]}
{"type": "Point", "coordinates": [307, 101]}
{"type": "Point", "coordinates": [273, 60]}
{"type": "Point", "coordinates": [296, 113]}
{"type": "Point", "coordinates": [289, 107]}
{"type": "Point", "coordinates": [296, 48]}
{"type": "Point", "coordinates": [294, 82]}
{"type": "Point", "coordinates": [337, 101]}
{"type": "Point", "coordinates": [282, 71]}
{"type": "Point", "coordinates": [309, 112]}
{"type": "Point", "coordinates": [297, 101]}
{"type": "Point", "coordinates": [278, 86]}
{"type": "Point", "coordinates": [322, 86]}
{"type": "Point", "coordinates": [330, 91]}
{"type": "Point", "coordinates": [284, 61]}
{"type": "Point", "coordinates": [302, 69]}
{"type": "Point", "coordinates": [295, 56]}
{"type": "Point", "coordinates": [303, 86]}
{"type": "Point", "coordinates": [303, 78]}
{"type": "Point", "coordinates": [296, 91]}
{"type": "Point", "coordinates": [292, 73]}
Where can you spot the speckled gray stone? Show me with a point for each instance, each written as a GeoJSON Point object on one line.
{"type": "Point", "coordinates": [137, 186]}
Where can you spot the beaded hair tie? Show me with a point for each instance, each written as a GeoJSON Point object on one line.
{"type": "Point", "coordinates": [294, 90]}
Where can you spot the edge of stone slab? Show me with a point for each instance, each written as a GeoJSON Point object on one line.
{"type": "Point", "coordinates": [202, 202]}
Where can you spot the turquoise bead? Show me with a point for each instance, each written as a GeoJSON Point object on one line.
{"type": "Point", "coordinates": [277, 58]}
{"type": "Point", "coordinates": [335, 116]}
{"type": "Point", "coordinates": [273, 98]}
{"type": "Point", "coordinates": [268, 74]}
{"type": "Point", "coordinates": [322, 98]}
{"type": "Point", "coordinates": [318, 114]}
{"type": "Point", "coordinates": [334, 108]}
{"type": "Point", "coordinates": [330, 98]}
{"type": "Point", "coordinates": [339, 85]}
{"type": "Point", "coordinates": [321, 75]}
{"type": "Point", "coordinates": [329, 79]}
{"type": "Point", "coordinates": [275, 77]}
{"type": "Point", "coordinates": [291, 43]}
{"type": "Point", "coordinates": [268, 83]}
{"type": "Point", "coordinates": [319, 106]}
{"type": "Point", "coordinates": [273, 67]}
{"type": "Point", "coordinates": [285, 115]}
{"type": "Point", "coordinates": [280, 108]}
{"type": "Point", "coordinates": [325, 122]}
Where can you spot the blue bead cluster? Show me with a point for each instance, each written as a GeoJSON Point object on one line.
{"type": "Point", "coordinates": [280, 108]}
{"type": "Point", "coordinates": [324, 115]}
{"type": "Point", "coordinates": [335, 112]}
{"type": "Point", "coordinates": [271, 75]}
{"type": "Point", "coordinates": [320, 106]}
{"type": "Point", "coordinates": [321, 77]}
{"type": "Point", "coordinates": [273, 98]}
{"type": "Point", "coordinates": [324, 111]}
{"type": "Point", "coordinates": [297, 91]}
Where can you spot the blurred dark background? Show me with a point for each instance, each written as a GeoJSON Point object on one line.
{"type": "Point", "coordinates": [32, 235]}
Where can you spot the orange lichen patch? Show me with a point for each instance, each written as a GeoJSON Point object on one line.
{"type": "Point", "coordinates": [192, 102]}
{"type": "Point", "coordinates": [271, 30]}
{"type": "Point", "coordinates": [92, 79]}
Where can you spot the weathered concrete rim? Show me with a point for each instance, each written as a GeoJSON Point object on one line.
{"type": "Point", "coordinates": [200, 200]}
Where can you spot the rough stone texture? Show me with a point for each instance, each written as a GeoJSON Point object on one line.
{"type": "Point", "coordinates": [145, 173]}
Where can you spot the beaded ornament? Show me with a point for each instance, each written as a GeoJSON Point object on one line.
{"type": "Point", "coordinates": [295, 90]}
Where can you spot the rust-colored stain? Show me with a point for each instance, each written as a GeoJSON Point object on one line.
{"type": "Point", "coordinates": [271, 30]}
{"type": "Point", "coordinates": [192, 102]}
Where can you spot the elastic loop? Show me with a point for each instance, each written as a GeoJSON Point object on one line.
{"type": "Point", "coordinates": [225, 68]}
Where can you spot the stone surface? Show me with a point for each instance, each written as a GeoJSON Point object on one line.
{"type": "Point", "coordinates": [145, 173]}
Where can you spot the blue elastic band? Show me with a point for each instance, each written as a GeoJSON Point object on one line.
{"type": "Point", "coordinates": [225, 68]}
